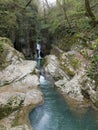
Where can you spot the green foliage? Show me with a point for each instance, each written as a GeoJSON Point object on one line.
{"type": "Point", "coordinates": [6, 40]}
{"type": "Point", "coordinates": [95, 45]}
{"type": "Point", "coordinates": [1, 47]}
{"type": "Point", "coordinates": [18, 22]}
{"type": "Point", "coordinates": [75, 63]}
{"type": "Point", "coordinates": [68, 42]}
{"type": "Point", "coordinates": [95, 59]}
{"type": "Point", "coordinates": [93, 70]}
{"type": "Point", "coordinates": [69, 71]}
{"type": "Point", "coordinates": [84, 53]}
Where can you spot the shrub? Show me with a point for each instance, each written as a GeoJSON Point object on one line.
{"type": "Point", "coordinates": [93, 70]}
{"type": "Point", "coordinates": [1, 47]}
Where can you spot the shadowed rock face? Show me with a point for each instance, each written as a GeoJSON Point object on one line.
{"type": "Point", "coordinates": [19, 89]}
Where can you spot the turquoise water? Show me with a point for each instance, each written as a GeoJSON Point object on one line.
{"type": "Point", "coordinates": [55, 114]}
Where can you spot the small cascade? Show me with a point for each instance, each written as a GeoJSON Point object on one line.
{"type": "Point", "coordinates": [38, 48]}
{"type": "Point", "coordinates": [39, 56]}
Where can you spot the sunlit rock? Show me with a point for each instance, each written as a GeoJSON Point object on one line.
{"type": "Point", "coordinates": [34, 97]}
{"type": "Point", "coordinates": [21, 127]}
{"type": "Point", "coordinates": [52, 67]}
{"type": "Point", "coordinates": [16, 72]}
{"type": "Point", "coordinates": [73, 81]}
{"type": "Point", "coordinates": [19, 88]}
{"type": "Point", "coordinates": [28, 82]}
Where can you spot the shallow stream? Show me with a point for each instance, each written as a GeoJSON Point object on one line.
{"type": "Point", "coordinates": [55, 114]}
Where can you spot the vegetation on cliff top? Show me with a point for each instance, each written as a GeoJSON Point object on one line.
{"type": "Point", "coordinates": [65, 24]}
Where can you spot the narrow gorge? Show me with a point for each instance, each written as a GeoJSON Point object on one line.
{"type": "Point", "coordinates": [48, 65]}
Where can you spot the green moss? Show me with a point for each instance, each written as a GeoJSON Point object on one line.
{"type": "Point", "coordinates": [66, 43]}
{"type": "Point", "coordinates": [6, 40]}
{"type": "Point", "coordinates": [5, 111]}
{"type": "Point", "coordinates": [16, 120]}
{"type": "Point", "coordinates": [45, 61]}
{"type": "Point", "coordinates": [2, 127]}
{"type": "Point", "coordinates": [95, 45]}
{"type": "Point", "coordinates": [93, 68]}
{"type": "Point", "coordinates": [69, 72]}
{"type": "Point", "coordinates": [75, 63]}
{"type": "Point", "coordinates": [9, 108]}
{"type": "Point", "coordinates": [1, 54]}
{"type": "Point", "coordinates": [84, 53]}
{"type": "Point", "coordinates": [96, 103]}
{"type": "Point", "coordinates": [1, 48]}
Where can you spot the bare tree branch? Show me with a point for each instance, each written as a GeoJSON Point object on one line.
{"type": "Point", "coordinates": [47, 4]}
{"type": "Point", "coordinates": [29, 2]}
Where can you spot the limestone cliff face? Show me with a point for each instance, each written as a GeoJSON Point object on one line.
{"type": "Point", "coordinates": [70, 72]}
{"type": "Point", "coordinates": [19, 88]}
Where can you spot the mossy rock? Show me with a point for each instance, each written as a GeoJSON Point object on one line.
{"type": "Point", "coordinates": [2, 58]}
{"type": "Point", "coordinates": [95, 44]}
{"type": "Point", "coordinates": [5, 111]}
{"type": "Point", "coordinates": [1, 47]}
{"type": "Point", "coordinates": [3, 51]}
{"type": "Point", "coordinates": [84, 53]}
{"type": "Point", "coordinates": [14, 103]}
{"type": "Point", "coordinates": [2, 127]}
{"type": "Point", "coordinates": [6, 40]}
{"type": "Point", "coordinates": [96, 104]}
{"type": "Point", "coordinates": [69, 71]}
{"type": "Point", "coordinates": [75, 63]}
{"type": "Point", "coordinates": [16, 119]}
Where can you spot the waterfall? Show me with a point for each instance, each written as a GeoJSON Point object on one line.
{"type": "Point", "coordinates": [38, 48]}
{"type": "Point", "coordinates": [39, 56]}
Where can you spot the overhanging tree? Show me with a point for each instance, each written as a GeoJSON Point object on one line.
{"type": "Point", "coordinates": [90, 13]}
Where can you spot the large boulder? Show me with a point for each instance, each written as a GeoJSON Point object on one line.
{"type": "Point", "coordinates": [52, 66]}
{"type": "Point", "coordinates": [16, 72]}
{"type": "Point", "coordinates": [10, 102]}
{"type": "Point", "coordinates": [8, 55]}
{"type": "Point", "coordinates": [73, 81]}
{"type": "Point", "coordinates": [19, 88]}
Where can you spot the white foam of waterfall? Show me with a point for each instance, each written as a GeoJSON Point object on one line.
{"type": "Point", "coordinates": [43, 80]}
{"type": "Point", "coordinates": [39, 56]}
{"type": "Point", "coordinates": [39, 51]}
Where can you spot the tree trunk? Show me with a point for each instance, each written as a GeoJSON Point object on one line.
{"type": "Point", "coordinates": [47, 4]}
{"type": "Point", "coordinates": [64, 10]}
{"type": "Point", "coordinates": [90, 13]}
{"type": "Point", "coordinates": [65, 14]}
{"type": "Point", "coordinates": [44, 13]}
